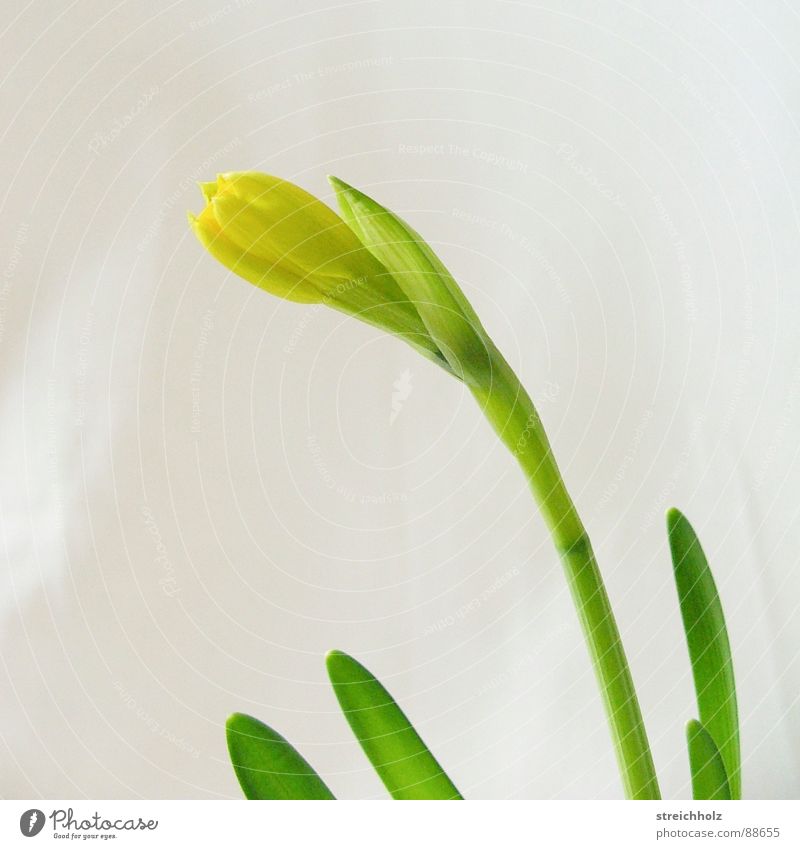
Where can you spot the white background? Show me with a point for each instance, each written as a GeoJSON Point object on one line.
{"type": "Point", "coordinates": [202, 487]}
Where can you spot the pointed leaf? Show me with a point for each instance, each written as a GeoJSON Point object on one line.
{"type": "Point", "coordinates": [444, 309]}
{"type": "Point", "coordinates": [709, 648]}
{"type": "Point", "coordinates": [709, 778]}
{"type": "Point", "coordinates": [398, 753]}
{"type": "Point", "coordinates": [267, 766]}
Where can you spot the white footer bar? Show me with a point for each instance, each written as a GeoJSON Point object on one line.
{"type": "Point", "coordinates": [400, 824]}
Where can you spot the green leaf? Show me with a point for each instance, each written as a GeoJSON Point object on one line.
{"type": "Point", "coordinates": [444, 309]}
{"type": "Point", "coordinates": [709, 778]}
{"type": "Point", "coordinates": [267, 766]}
{"type": "Point", "coordinates": [395, 750]}
{"type": "Point", "coordinates": [709, 648]}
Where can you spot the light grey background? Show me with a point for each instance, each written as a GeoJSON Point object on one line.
{"type": "Point", "coordinates": [203, 489]}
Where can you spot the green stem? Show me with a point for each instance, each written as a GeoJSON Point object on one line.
{"type": "Point", "coordinates": [512, 414]}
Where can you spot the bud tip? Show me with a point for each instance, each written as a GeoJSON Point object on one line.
{"type": "Point", "coordinates": [338, 184]}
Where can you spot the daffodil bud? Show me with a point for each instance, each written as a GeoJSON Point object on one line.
{"type": "Point", "coordinates": [280, 238]}
{"type": "Point", "coordinates": [287, 242]}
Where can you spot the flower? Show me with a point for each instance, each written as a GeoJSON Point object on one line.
{"type": "Point", "coordinates": [277, 236]}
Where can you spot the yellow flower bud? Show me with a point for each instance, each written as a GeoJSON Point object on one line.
{"type": "Point", "coordinates": [287, 242]}
{"type": "Point", "coordinates": [280, 238]}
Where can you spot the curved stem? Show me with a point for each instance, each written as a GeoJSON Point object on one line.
{"type": "Point", "coordinates": [513, 415]}
{"type": "Point", "coordinates": [611, 666]}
